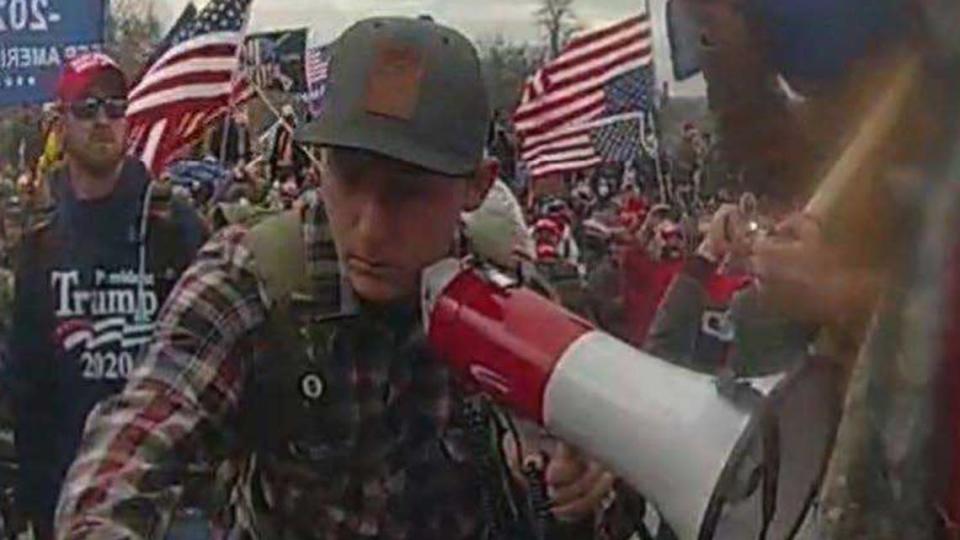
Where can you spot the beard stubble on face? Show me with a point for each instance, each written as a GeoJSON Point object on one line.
{"type": "Point", "coordinates": [388, 272]}
{"type": "Point", "coordinates": [98, 150]}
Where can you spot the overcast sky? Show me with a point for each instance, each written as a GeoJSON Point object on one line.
{"type": "Point", "coordinates": [478, 19]}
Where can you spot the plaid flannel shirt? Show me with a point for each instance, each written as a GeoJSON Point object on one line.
{"type": "Point", "coordinates": [188, 389]}
{"type": "Point", "coordinates": [186, 396]}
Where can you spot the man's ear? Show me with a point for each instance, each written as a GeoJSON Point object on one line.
{"type": "Point", "coordinates": [479, 184]}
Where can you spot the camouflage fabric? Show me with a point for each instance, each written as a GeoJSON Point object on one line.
{"type": "Point", "coordinates": [226, 214]}
{"type": "Point", "coordinates": [885, 474]}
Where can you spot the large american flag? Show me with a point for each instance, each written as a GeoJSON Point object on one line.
{"type": "Point", "coordinates": [588, 104]}
{"type": "Point", "coordinates": [191, 85]}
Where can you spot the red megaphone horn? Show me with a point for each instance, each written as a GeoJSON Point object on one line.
{"type": "Point", "coordinates": [719, 458]}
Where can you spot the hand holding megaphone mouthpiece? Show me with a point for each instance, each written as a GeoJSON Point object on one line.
{"type": "Point", "coordinates": [676, 436]}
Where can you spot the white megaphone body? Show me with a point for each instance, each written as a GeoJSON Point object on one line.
{"type": "Point", "coordinates": [737, 459]}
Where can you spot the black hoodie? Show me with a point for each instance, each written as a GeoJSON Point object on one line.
{"type": "Point", "coordinates": [83, 311]}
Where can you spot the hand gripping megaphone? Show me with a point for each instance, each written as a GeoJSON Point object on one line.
{"type": "Point", "coordinates": [737, 459]}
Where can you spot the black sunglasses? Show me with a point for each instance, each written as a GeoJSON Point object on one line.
{"type": "Point", "coordinates": [87, 109]}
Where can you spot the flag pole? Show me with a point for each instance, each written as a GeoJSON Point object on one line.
{"type": "Point", "coordinates": [654, 150]}
{"type": "Point", "coordinates": [661, 180]}
{"type": "Point", "coordinates": [231, 101]}
{"type": "Point", "coordinates": [225, 134]}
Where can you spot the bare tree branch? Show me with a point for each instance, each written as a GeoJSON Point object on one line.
{"type": "Point", "coordinates": [132, 33]}
{"type": "Point", "coordinates": [506, 66]}
{"type": "Point", "coordinates": [558, 21]}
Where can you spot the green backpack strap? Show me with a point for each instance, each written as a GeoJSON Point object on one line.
{"type": "Point", "coordinates": [225, 214]}
{"type": "Point", "coordinates": [278, 248]}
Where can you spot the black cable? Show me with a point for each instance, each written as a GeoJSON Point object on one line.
{"type": "Point", "coordinates": [771, 474]}
{"type": "Point", "coordinates": [478, 430]}
{"type": "Point", "coordinates": [538, 502]}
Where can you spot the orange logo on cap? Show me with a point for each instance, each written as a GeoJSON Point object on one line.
{"type": "Point", "coordinates": [393, 86]}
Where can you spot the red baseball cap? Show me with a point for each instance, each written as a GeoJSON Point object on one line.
{"type": "Point", "coordinates": [83, 73]}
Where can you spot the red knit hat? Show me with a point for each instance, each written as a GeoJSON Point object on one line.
{"type": "Point", "coordinates": [83, 72]}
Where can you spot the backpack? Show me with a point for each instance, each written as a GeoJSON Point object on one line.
{"type": "Point", "coordinates": [277, 246]}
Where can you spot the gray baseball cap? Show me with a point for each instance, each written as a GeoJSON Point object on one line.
{"type": "Point", "coordinates": [408, 89]}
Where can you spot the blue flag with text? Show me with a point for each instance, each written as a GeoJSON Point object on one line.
{"type": "Point", "coordinates": [37, 37]}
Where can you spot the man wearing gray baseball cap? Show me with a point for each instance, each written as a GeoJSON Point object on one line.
{"type": "Point", "coordinates": [291, 353]}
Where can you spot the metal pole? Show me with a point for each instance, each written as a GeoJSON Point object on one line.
{"type": "Point", "coordinates": [225, 134]}
{"type": "Point", "coordinates": [661, 180]}
{"type": "Point", "coordinates": [241, 67]}
{"type": "Point", "coordinates": [664, 188]}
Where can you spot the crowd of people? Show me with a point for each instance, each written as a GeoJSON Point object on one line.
{"type": "Point", "coordinates": [235, 349]}
{"type": "Point", "coordinates": [133, 339]}
{"type": "Point", "coordinates": [99, 248]}
{"type": "Point", "coordinates": [613, 238]}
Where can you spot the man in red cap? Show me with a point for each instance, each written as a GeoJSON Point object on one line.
{"type": "Point", "coordinates": [90, 280]}
{"type": "Point", "coordinates": [89, 84]}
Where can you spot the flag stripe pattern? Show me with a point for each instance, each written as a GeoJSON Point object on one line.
{"type": "Point", "coordinates": [191, 85]}
{"type": "Point", "coordinates": [317, 66]}
{"type": "Point", "coordinates": [563, 120]}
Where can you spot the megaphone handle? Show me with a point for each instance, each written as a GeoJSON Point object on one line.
{"type": "Point", "coordinates": [477, 416]}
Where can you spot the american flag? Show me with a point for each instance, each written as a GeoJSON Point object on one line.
{"type": "Point", "coordinates": [191, 85]}
{"type": "Point", "coordinates": [587, 105]}
{"type": "Point", "coordinates": [317, 65]}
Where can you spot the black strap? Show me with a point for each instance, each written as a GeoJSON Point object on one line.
{"type": "Point", "coordinates": [538, 502]}
{"type": "Point", "coordinates": [479, 431]}
{"type": "Point", "coordinates": [771, 472]}
{"type": "Point", "coordinates": [505, 519]}
{"type": "Point", "coordinates": [748, 398]}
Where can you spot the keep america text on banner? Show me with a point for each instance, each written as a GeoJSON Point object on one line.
{"type": "Point", "coordinates": [37, 38]}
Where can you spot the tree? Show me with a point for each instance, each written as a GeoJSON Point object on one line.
{"type": "Point", "coordinates": [133, 30]}
{"type": "Point", "coordinates": [506, 66]}
{"type": "Point", "coordinates": [558, 21]}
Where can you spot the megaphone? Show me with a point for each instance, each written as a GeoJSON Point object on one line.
{"type": "Point", "coordinates": [720, 458]}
